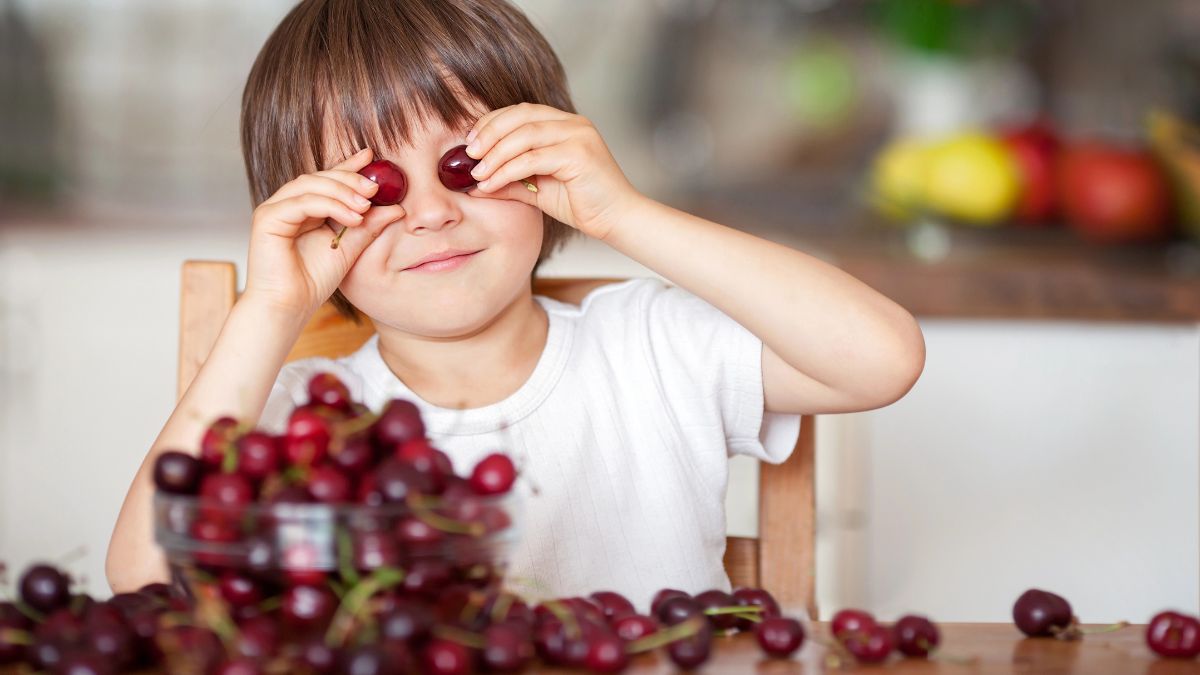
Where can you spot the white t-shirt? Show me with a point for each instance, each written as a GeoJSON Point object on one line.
{"type": "Point", "coordinates": [625, 428]}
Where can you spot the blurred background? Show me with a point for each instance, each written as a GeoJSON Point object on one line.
{"type": "Point", "coordinates": [1023, 176]}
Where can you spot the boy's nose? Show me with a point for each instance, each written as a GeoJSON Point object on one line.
{"type": "Point", "coordinates": [430, 206]}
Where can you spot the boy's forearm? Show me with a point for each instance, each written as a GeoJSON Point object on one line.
{"type": "Point", "coordinates": [235, 380]}
{"type": "Point", "coordinates": [816, 317]}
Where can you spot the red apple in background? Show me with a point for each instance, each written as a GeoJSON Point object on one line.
{"type": "Point", "coordinates": [1113, 194]}
{"type": "Point", "coordinates": [1035, 148]}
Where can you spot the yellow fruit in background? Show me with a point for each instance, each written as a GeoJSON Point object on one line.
{"type": "Point", "coordinates": [898, 178]}
{"type": "Point", "coordinates": [971, 177]}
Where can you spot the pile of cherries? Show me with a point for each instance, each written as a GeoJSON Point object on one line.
{"type": "Point", "coordinates": [347, 544]}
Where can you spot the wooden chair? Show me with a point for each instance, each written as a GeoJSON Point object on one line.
{"type": "Point", "coordinates": [781, 559]}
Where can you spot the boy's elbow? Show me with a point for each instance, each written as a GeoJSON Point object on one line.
{"type": "Point", "coordinates": [909, 363]}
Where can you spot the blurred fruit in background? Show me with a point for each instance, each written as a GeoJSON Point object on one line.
{"type": "Point", "coordinates": [971, 177]}
{"type": "Point", "coordinates": [1113, 193]}
{"type": "Point", "coordinates": [898, 178]}
{"type": "Point", "coordinates": [1035, 148]}
{"type": "Point", "coordinates": [1177, 144]}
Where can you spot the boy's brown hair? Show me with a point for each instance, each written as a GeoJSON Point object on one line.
{"type": "Point", "coordinates": [377, 68]}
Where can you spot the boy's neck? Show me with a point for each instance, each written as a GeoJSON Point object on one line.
{"type": "Point", "coordinates": [477, 370]}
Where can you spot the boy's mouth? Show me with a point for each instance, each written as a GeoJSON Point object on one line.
{"type": "Point", "coordinates": [442, 260]}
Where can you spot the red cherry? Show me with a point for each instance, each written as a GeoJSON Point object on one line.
{"type": "Point", "coordinates": [258, 455]}
{"type": "Point", "coordinates": [872, 644]}
{"type": "Point", "coordinates": [614, 605]}
{"type": "Point", "coordinates": [216, 441]}
{"type": "Point", "coordinates": [327, 389]}
{"type": "Point", "coordinates": [779, 636]}
{"type": "Point", "coordinates": [392, 183]}
{"type": "Point", "coordinates": [1174, 635]}
{"type": "Point", "coordinates": [328, 484]}
{"type": "Point", "coordinates": [443, 657]}
{"type": "Point", "coordinates": [493, 475]}
{"type": "Point", "coordinates": [915, 636]}
{"type": "Point", "coordinates": [307, 440]}
{"type": "Point", "coordinates": [606, 653]}
{"type": "Point", "coordinates": [454, 169]}
{"type": "Point", "coordinates": [634, 626]}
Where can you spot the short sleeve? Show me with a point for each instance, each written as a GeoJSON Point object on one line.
{"type": "Point", "coordinates": [710, 365]}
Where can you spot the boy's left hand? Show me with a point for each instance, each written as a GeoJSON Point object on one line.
{"type": "Point", "coordinates": [578, 181]}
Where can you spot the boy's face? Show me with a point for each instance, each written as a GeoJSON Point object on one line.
{"type": "Point", "coordinates": [432, 218]}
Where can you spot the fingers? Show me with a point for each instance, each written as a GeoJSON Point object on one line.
{"type": "Point", "coordinates": [499, 123]}
{"type": "Point", "coordinates": [350, 188]}
{"type": "Point", "coordinates": [525, 138]}
{"type": "Point", "coordinates": [539, 162]}
{"type": "Point", "coordinates": [288, 217]}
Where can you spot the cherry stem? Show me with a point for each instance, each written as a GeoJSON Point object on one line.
{"type": "Point", "coordinates": [655, 640]}
{"type": "Point", "coordinates": [837, 652]}
{"type": "Point", "coordinates": [29, 612]}
{"type": "Point", "coordinates": [529, 186]}
{"type": "Point", "coordinates": [564, 615]}
{"type": "Point", "coordinates": [751, 609]}
{"type": "Point", "coordinates": [346, 557]}
{"type": "Point", "coordinates": [462, 637]}
{"type": "Point", "coordinates": [440, 522]}
{"type": "Point", "coordinates": [503, 603]}
{"type": "Point", "coordinates": [355, 424]}
{"type": "Point", "coordinates": [1105, 629]}
{"type": "Point", "coordinates": [338, 239]}
{"type": "Point", "coordinates": [13, 636]}
{"type": "Point", "coordinates": [356, 600]}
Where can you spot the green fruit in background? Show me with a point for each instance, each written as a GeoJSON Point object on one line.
{"type": "Point", "coordinates": [971, 177]}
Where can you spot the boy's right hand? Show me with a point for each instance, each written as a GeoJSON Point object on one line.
{"type": "Point", "coordinates": [291, 264]}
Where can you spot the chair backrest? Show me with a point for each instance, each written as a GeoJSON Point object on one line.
{"type": "Point", "coordinates": [782, 557]}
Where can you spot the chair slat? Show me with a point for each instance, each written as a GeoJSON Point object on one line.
{"type": "Point", "coordinates": [207, 292]}
{"type": "Point", "coordinates": [787, 524]}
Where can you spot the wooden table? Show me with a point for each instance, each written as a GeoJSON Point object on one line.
{"type": "Point", "coordinates": [996, 648]}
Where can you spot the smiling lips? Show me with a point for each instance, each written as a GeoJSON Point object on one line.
{"type": "Point", "coordinates": [442, 260]}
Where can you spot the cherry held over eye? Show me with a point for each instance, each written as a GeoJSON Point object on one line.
{"type": "Point", "coordinates": [393, 185]}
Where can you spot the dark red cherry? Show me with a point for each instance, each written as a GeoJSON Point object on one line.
{"type": "Point", "coordinates": [755, 597]}
{"type": "Point", "coordinates": [779, 636]}
{"type": "Point", "coordinates": [718, 599]}
{"type": "Point", "coordinates": [177, 473]}
{"type": "Point", "coordinates": [664, 595]}
{"type": "Point", "coordinates": [443, 657]}
{"type": "Point", "coordinates": [454, 169]}
{"type": "Point", "coordinates": [1040, 613]}
{"type": "Point", "coordinates": [392, 183]}
{"type": "Point", "coordinates": [634, 626]}
{"type": "Point", "coordinates": [217, 439]}
{"type": "Point", "coordinates": [614, 605]}
{"type": "Point", "coordinates": [915, 636]}
{"type": "Point", "coordinates": [44, 588]}
{"type": "Point", "coordinates": [400, 421]}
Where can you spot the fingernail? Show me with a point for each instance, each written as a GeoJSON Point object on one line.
{"type": "Point", "coordinates": [472, 149]}
{"type": "Point", "coordinates": [361, 151]}
{"type": "Point", "coordinates": [361, 201]}
{"type": "Point", "coordinates": [471, 137]}
{"type": "Point", "coordinates": [480, 169]}
{"type": "Point", "coordinates": [368, 184]}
